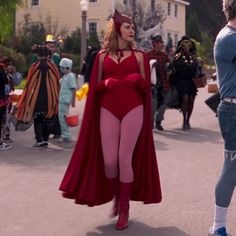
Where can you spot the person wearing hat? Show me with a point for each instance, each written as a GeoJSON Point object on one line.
{"type": "Point", "coordinates": [50, 43]}
{"type": "Point", "coordinates": [68, 87]}
{"type": "Point", "coordinates": [162, 86]}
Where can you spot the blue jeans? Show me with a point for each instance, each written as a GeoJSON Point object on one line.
{"type": "Point", "coordinates": [161, 110]}
{"type": "Point", "coordinates": [227, 181]}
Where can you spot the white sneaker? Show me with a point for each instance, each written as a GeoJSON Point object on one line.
{"type": "Point", "coordinates": [5, 146]}
{"type": "Point", "coordinates": [218, 232]}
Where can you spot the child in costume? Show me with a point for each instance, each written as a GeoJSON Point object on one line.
{"type": "Point", "coordinates": [39, 100]}
{"type": "Point", "coordinates": [115, 153]}
{"type": "Point", "coordinates": [68, 87]}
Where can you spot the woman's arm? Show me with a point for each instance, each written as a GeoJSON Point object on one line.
{"type": "Point", "coordinates": [140, 59]}
{"type": "Point", "coordinates": [141, 83]}
{"type": "Point", "coordinates": [100, 72]}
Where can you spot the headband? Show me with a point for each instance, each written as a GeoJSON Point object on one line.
{"type": "Point", "coordinates": [186, 44]}
{"type": "Point", "coordinates": [119, 19]}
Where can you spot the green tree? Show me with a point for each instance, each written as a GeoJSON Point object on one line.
{"type": "Point", "coordinates": [209, 13]}
{"type": "Point", "coordinates": [7, 18]}
{"type": "Point", "coordinates": [193, 27]}
{"type": "Point", "coordinates": [204, 48]}
{"type": "Point", "coordinates": [73, 41]}
{"type": "Point", "coordinates": [28, 35]}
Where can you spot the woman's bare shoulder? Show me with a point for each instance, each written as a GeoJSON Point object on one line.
{"type": "Point", "coordinates": [101, 54]}
{"type": "Point", "coordinates": [139, 54]}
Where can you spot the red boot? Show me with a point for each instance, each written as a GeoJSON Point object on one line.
{"type": "Point", "coordinates": [115, 208]}
{"type": "Point", "coordinates": [124, 197]}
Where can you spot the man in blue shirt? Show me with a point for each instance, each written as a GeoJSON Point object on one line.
{"type": "Point", "coordinates": [225, 59]}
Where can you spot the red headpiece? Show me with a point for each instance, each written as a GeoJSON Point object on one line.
{"type": "Point", "coordinates": [119, 19]}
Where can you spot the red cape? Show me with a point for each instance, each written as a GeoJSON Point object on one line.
{"type": "Point", "coordinates": [85, 179]}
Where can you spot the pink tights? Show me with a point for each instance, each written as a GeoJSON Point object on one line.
{"type": "Point", "coordinates": [118, 141]}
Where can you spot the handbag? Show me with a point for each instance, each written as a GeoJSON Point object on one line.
{"type": "Point", "coordinates": [212, 88]}
{"type": "Point", "coordinates": [200, 81]}
{"type": "Point", "coordinates": [20, 125]}
{"type": "Point", "coordinates": [213, 101]}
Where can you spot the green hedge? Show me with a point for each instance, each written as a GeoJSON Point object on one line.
{"type": "Point", "coordinates": [18, 58]}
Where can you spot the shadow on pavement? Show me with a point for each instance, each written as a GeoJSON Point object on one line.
{"type": "Point", "coordinates": [24, 155]}
{"type": "Point", "coordinates": [137, 229]}
{"type": "Point", "coordinates": [194, 135]}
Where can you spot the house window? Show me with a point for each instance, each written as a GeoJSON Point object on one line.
{"type": "Point", "coordinates": [168, 8]}
{"type": "Point", "coordinates": [168, 36]}
{"type": "Point", "coordinates": [176, 39]}
{"type": "Point", "coordinates": [35, 2]}
{"type": "Point", "coordinates": [176, 10]}
{"type": "Point", "coordinates": [92, 0]}
{"type": "Point", "coordinates": [92, 29]}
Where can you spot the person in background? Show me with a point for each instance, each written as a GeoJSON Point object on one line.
{"type": "Point", "coordinates": [115, 153]}
{"type": "Point", "coordinates": [39, 100]}
{"type": "Point", "coordinates": [50, 43]}
{"type": "Point", "coordinates": [67, 97]}
{"type": "Point", "coordinates": [224, 56]}
{"type": "Point", "coordinates": [3, 101]}
{"type": "Point", "coordinates": [185, 68]}
{"type": "Point", "coordinates": [89, 67]}
{"type": "Point", "coordinates": [169, 49]}
{"type": "Point", "coordinates": [163, 88]}
{"type": "Point", "coordinates": [14, 79]}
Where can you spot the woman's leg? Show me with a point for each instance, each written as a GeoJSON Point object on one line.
{"type": "Point", "coordinates": [131, 126]}
{"type": "Point", "coordinates": [110, 136]}
{"type": "Point", "coordinates": [184, 109]}
{"type": "Point", "coordinates": [190, 109]}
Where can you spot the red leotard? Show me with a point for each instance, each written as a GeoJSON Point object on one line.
{"type": "Point", "coordinates": [125, 95]}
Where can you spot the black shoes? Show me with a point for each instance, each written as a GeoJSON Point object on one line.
{"type": "Point", "coordinates": [40, 145]}
{"type": "Point", "coordinates": [158, 126]}
{"type": "Point", "coordinates": [186, 125]}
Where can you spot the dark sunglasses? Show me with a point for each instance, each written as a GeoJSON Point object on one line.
{"type": "Point", "coordinates": [63, 68]}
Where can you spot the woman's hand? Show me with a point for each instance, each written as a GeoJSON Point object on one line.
{"type": "Point", "coordinates": [138, 80]}
{"type": "Point", "coordinates": [106, 84]}
{"type": "Point", "coordinates": [111, 83]}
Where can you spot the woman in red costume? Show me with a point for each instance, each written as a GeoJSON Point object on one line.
{"type": "Point", "coordinates": [115, 152]}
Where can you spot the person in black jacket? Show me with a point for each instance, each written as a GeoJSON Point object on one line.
{"type": "Point", "coordinates": [87, 66]}
{"type": "Point", "coordinates": [3, 101]}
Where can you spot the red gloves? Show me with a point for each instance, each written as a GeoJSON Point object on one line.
{"type": "Point", "coordinates": [103, 85]}
{"type": "Point", "coordinates": [142, 85]}
{"type": "Point", "coordinates": [110, 83]}
{"type": "Point", "coordinates": [138, 80]}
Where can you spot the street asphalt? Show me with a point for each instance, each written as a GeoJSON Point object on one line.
{"type": "Point", "coordinates": [189, 164]}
